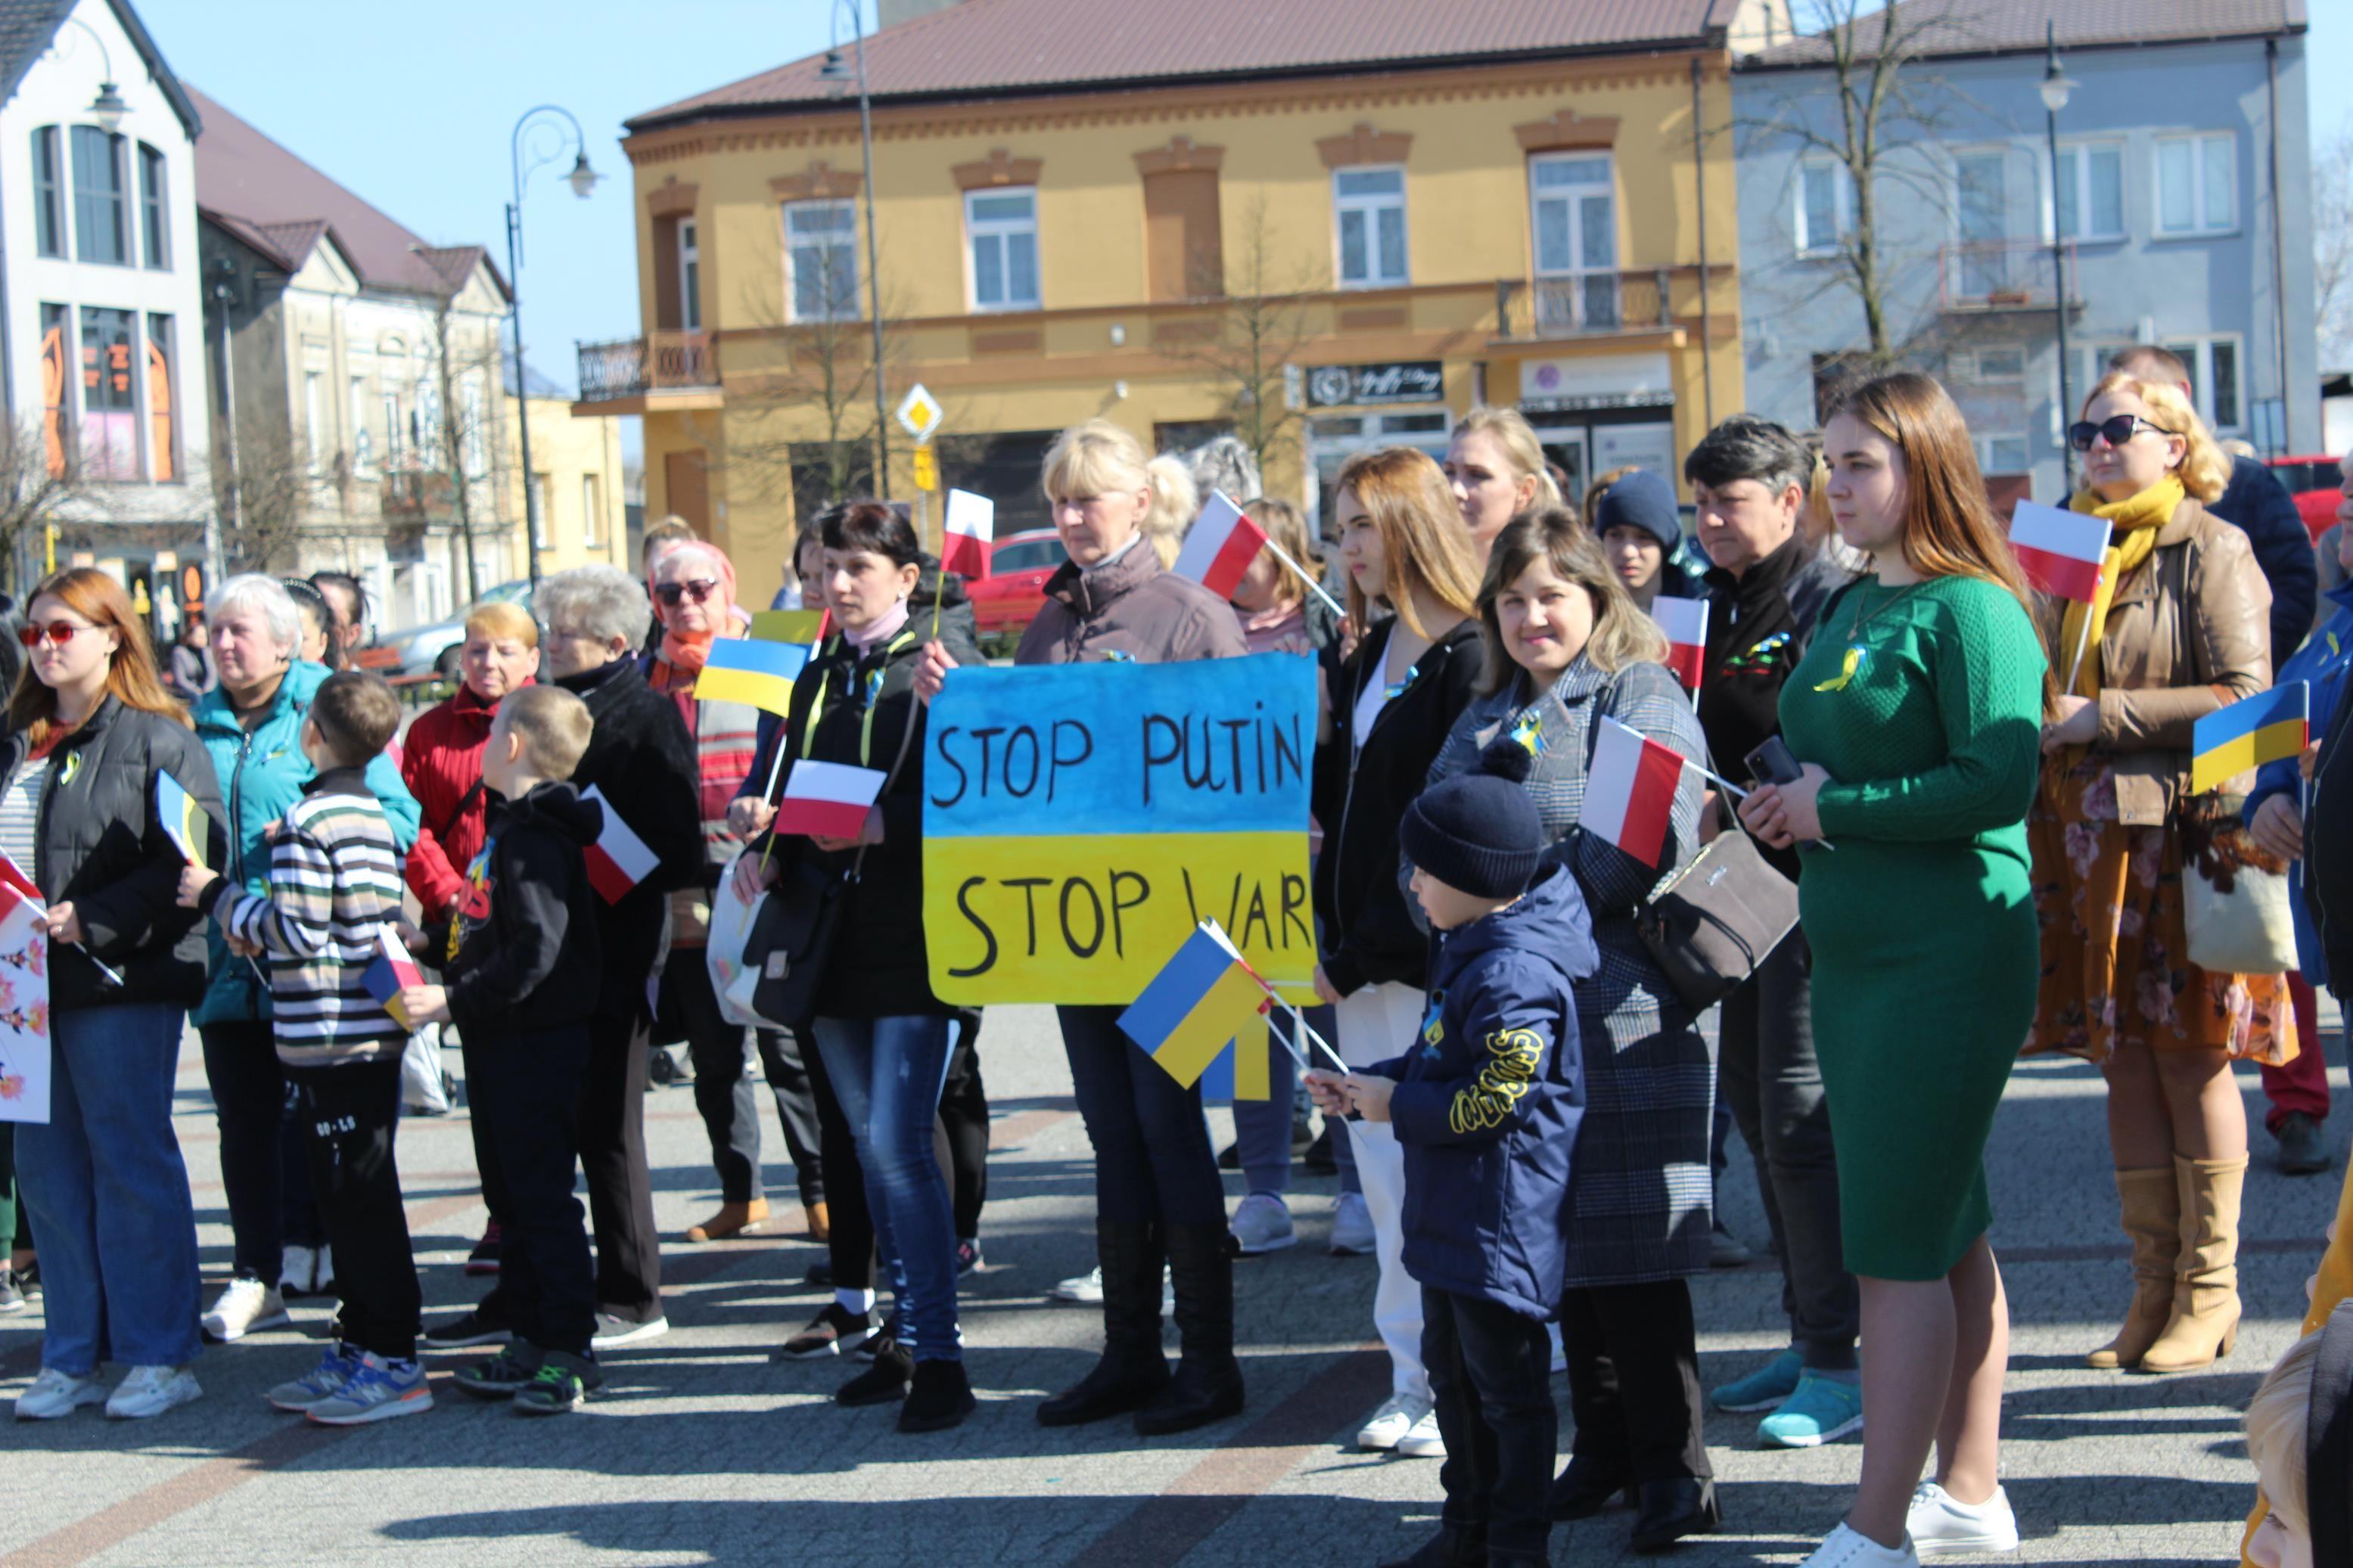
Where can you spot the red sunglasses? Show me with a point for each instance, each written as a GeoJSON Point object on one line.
{"type": "Point", "coordinates": [58, 632]}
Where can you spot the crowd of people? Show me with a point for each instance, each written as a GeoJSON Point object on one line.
{"type": "Point", "coordinates": [1530, 1111]}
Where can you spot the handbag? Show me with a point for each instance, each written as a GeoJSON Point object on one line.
{"type": "Point", "coordinates": [1717, 918]}
{"type": "Point", "coordinates": [2235, 904]}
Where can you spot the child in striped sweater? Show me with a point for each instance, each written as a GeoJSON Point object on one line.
{"type": "Point", "coordinates": [334, 881]}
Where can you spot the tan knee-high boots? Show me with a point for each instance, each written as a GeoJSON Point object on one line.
{"type": "Point", "coordinates": [2205, 1321]}
{"type": "Point", "coordinates": [2152, 1217]}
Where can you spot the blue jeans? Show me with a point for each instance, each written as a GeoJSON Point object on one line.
{"type": "Point", "coordinates": [888, 1073]}
{"type": "Point", "coordinates": [110, 1194]}
{"type": "Point", "coordinates": [1154, 1164]}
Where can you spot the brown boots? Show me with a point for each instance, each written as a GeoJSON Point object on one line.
{"type": "Point", "coordinates": [731, 1220]}
{"type": "Point", "coordinates": [2184, 1225]}
{"type": "Point", "coordinates": [820, 1221]}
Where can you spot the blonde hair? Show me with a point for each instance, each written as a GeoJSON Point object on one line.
{"type": "Point", "coordinates": [1509, 430]}
{"type": "Point", "coordinates": [503, 619]}
{"type": "Point", "coordinates": [2279, 1420]}
{"type": "Point", "coordinates": [2205, 467]}
{"type": "Point", "coordinates": [1092, 459]}
{"type": "Point", "coordinates": [1174, 501]}
{"type": "Point", "coordinates": [1622, 634]}
{"type": "Point", "coordinates": [1286, 528]}
{"type": "Point", "coordinates": [553, 726]}
{"type": "Point", "coordinates": [1424, 546]}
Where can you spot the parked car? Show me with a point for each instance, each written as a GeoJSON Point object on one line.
{"type": "Point", "coordinates": [1006, 600]}
{"type": "Point", "coordinates": [2317, 483]}
{"type": "Point", "coordinates": [434, 649]}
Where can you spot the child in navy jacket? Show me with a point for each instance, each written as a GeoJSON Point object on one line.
{"type": "Point", "coordinates": [1487, 1105]}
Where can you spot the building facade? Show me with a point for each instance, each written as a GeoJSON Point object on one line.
{"type": "Point", "coordinates": [101, 314]}
{"type": "Point", "coordinates": [1331, 238]}
{"type": "Point", "coordinates": [2181, 150]}
{"type": "Point", "coordinates": [575, 463]}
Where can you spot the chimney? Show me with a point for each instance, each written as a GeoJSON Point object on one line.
{"type": "Point", "coordinates": [897, 11]}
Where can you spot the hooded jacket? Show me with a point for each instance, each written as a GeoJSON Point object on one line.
{"type": "Point", "coordinates": [1488, 1105]}
{"type": "Point", "coordinates": [2322, 663]}
{"type": "Point", "coordinates": [1133, 607]}
{"type": "Point", "coordinates": [523, 954]}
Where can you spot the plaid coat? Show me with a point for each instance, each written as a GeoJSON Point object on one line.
{"type": "Point", "coordinates": [1642, 1188]}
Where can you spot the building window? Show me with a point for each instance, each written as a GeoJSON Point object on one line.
{"type": "Point", "coordinates": [690, 277]}
{"type": "Point", "coordinates": [475, 435]}
{"type": "Point", "coordinates": [539, 512]}
{"type": "Point", "coordinates": [1003, 223]}
{"type": "Point", "coordinates": [428, 423]}
{"type": "Point", "coordinates": [154, 223]}
{"type": "Point", "coordinates": [2197, 185]}
{"type": "Point", "coordinates": [1987, 364]}
{"type": "Point", "coordinates": [592, 513]}
{"type": "Point", "coordinates": [317, 440]}
{"type": "Point", "coordinates": [100, 230]}
{"type": "Point", "coordinates": [1574, 201]}
{"type": "Point", "coordinates": [362, 445]}
{"type": "Point", "coordinates": [2213, 379]}
{"type": "Point", "coordinates": [49, 193]}
{"type": "Point", "coordinates": [2092, 191]}
{"type": "Point", "coordinates": [56, 408]}
{"type": "Point", "coordinates": [1825, 207]}
{"type": "Point", "coordinates": [396, 451]}
{"type": "Point", "coordinates": [109, 403]}
{"type": "Point", "coordinates": [821, 258]}
{"type": "Point", "coordinates": [2001, 453]}
{"type": "Point", "coordinates": [163, 405]}
{"type": "Point", "coordinates": [1369, 205]}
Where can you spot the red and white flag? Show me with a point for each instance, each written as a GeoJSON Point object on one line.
{"type": "Point", "coordinates": [13, 875]}
{"type": "Point", "coordinates": [620, 859]}
{"type": "Point", "coordinates": [828, 800]}
{"type": "Point", "coordinates": [1221, 546]}
{"type": "Point", "coordinates": [1685, 623]}
{"type": "Point", "coordinates": [971, 525]}
{"type": "Point", "coordinates": [1630, 790]}
{"type": "Point", "coordinates": [2060, 552]}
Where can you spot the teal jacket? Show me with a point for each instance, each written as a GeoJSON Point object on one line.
{"type": "Point", "coordinates": [261, 774]}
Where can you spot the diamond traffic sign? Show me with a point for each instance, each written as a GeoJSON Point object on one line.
{"type": "Point", "coordinates": [920, 412]}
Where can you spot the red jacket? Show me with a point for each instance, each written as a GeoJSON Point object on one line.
{"type": "Point", "coordinates": [441, 761]}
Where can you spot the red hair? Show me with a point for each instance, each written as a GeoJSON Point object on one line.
{"type": "Point", "coordinates": [131, 677]}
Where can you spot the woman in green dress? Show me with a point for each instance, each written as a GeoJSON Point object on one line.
{"type": "Point", "coordinates": [1916, 716]}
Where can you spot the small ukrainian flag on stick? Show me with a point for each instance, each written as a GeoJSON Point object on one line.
{"type": "Point", "coordinates": [1205, 1001]}
{"type": "Point", "coordinates": [2262, 729]}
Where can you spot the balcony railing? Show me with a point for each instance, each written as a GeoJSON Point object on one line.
{"type": "Point", "coordinates": [1587, 305]}
{"type": "Point", "coordinates": [2003, 275]}
{"type": "Point", "coordinates": [412, 494]}
{"type": "Point", "coordinates": [664, 362]}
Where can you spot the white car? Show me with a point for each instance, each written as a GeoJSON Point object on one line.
{"type": "Point", "coordinates": [434, 649]}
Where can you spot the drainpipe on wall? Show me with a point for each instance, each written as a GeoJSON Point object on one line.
{"type": "Point", "coordinates": [2279, 256]}
{"type": "Point", "coordinates": [1699, 190]}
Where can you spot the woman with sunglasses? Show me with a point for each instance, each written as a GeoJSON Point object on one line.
{"type": "Point", "coordinates": [2180, 631]}
{"type": "Point", "coordinates": [89, 730]}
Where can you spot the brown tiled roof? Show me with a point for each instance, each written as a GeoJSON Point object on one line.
{"type": "Point", "coordinates": [1949, 28]}
{"type": "Point", "coordinates": [280, 205]}
{"type": "Point", "coordinates": [1031, 46]}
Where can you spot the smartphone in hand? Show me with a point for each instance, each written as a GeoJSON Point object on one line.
{"type": "Point", "coordinates": [1773, 764]}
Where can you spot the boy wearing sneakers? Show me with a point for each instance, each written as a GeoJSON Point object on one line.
{"type": "Point", "coordinates": [1487, 1105]}
{"type": "Point", "coordinates": [334, 879]}
{"type": "Point", "coordinates": [522, 982]}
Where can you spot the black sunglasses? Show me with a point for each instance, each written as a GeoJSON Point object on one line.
{"type": "Point", "coordinates": [2116, 429]}
{"type": "Point", "coordinates": [699, 589]}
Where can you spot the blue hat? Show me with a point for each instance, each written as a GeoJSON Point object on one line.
{"type": "Point", "coordinates": [1640, 500]}
{"type": "Point", "coordinates": [1479, 832]}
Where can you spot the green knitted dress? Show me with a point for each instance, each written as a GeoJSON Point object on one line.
{"type": "Point", "coordinates": [1922, 918]}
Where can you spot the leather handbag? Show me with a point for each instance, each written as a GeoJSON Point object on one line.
{"type": "Point", "coordinates": [2235, 905]}
{"type": "Point", "coordinates": [1717, 918]}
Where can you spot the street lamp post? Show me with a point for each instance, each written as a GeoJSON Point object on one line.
{"type": "Point", "coordinates": [108, 108]}
{"type": "Point", "coordinates": [2056, 89]}
{"type": "Point", "coordinates": [582, 180]}
{"type": "Point", "coordinates": [835, 71]}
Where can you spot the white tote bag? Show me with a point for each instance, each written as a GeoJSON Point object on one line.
{"type": "Point", "coordinates": [2235, 904]}
{"type": "Point", "coordinates": [731, 926]}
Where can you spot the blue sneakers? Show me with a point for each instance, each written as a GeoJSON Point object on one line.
{"type": "Point", "coordinates": [1822, 1410]}
{"type": "Point", "coordinates": [336, 1364]}
{"type": "Point", "coordinates": [1764, 1389]}
{"type": "Point", "coordinates": [378, 1391]}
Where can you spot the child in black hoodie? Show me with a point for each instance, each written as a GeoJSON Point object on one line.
{"type": "Point", "coordinates": [522, 981]}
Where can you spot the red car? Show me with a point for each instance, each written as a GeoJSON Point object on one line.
{"type": "Point", "coordinates": [1009, 597]}
{"type": "Point", "coordinates": [2317, 483]}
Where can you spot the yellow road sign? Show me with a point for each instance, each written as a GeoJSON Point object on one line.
{"type": "Point", "coordinates": [920, 412]}
{"type": "Point", "coordinates": [927, 470]}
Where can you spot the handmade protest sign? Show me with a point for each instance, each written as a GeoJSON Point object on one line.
{"type": "Point", "coordinates": [1079, 820]}
{"type": "Point", "coordinates": [24, 1008]}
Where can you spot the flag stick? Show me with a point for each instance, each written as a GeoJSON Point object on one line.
{"type": "Point", "coordinates": [1313, 585]}
{"type": "Point", "coordinates": [2083, 640]}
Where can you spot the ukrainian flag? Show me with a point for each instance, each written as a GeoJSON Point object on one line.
{"type": "Point", "coordinates": [750, 670]}
{"type": "Point", "coordinates": [184, 822]}
{"type": "Point", "coordinates": [2262, 729]}
{"type": "Point", "coordinates": [1204, 1001]}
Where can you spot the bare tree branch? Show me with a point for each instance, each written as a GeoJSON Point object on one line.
{"type": "Point", "coordinates": [1259, 326]}
{"type": "Point", "coordinates": [30, 492]}
{"type": "Point", "coordinates": [2332, 238]}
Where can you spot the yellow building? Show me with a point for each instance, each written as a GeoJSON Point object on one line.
{"type": "Point", "coordinates": [576, 469]}
{"type": "Point", "coordinates": [1358, 218]}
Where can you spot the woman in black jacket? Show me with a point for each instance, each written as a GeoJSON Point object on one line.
{"type": "Point", "coordinates": [1388, 714]}
{"type": "Point", "coordinates": [884, 1037]}
{"type": "Point", "coordinates": [88, 734]}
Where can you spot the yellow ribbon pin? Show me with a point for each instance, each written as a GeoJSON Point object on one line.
{"type": "Point", "coordinates": [1854, 656]}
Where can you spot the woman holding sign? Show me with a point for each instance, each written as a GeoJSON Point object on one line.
{"type": "Point", "coordinates": [2179, 632]}
{"type": "Point", "coordinates": [1157, 1194]}
{"type": "Point", "coordinates": [88, 736]}
{"type": "Point", "coordinates": [1567, 654]}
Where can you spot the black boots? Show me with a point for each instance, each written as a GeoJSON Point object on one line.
{"type": "Point", "coordinates": [1455, 1546]}
{"type": "Point", "coordinates": [939, 1397]}
{"type": "Point", "coordinates": [1666, 1511]}
{"type": "Point", "coordinates": [1586, 1487]}
{"type": "Point", "coordinates": [1132, 1370]}
{"type": "Point", "coordinates": [1209, 1381]}
{"type": "Point", "coordinates": [883, 1381]}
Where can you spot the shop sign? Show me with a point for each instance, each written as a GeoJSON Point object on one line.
{"type": "Point", "coordinates": [1391, 380]}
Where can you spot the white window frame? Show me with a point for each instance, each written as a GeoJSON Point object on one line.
{"type": "Point", "coordinates": [428, 422]}
{"type": "Point", "coordinates": [1001, 231]}
{"type": "Point", "coordinates": [362, 445]}
{"type": "Point", "coordinates": [1984, 445]}
{"type": "Point", "coordinates": [2007, 151]}
{"type": "Point", "coordinates": [317, 440]}
{"type": "Point", "coordinates": [396, 434]}
{"type": "Point", "coordinates": [690, 276]}
{"type": "Point", "coordinates": [543, 526]}
{"type": "Point", "coordinates": [2082, 193]}
{"type": "Point", "coordinates": [2200, 357]}
{"type": "Point", "coordinates": [592, 509]}
{"type": "Point", "coordinates": [1370, 207]}
{"type": "Point", "coordinates": [1583, 271]}
{"type": "Point", "coordinates": [845, 207]}
{"type": "Point", "coordinates": [2197, 141]}
{"type": "Point", "coordinates": [1808, 243]}
{"type": "Point", "coordinates": [1968, 365]}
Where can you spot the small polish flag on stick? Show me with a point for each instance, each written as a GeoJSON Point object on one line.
{"type": "Point", "coordinates": [1685, 623]}
{"type": "Point", "coordinates": [971, 524]}
{"type": "Point", "coordinates": [1630, 790]}
{"type": "Point", "coordinates": [2062, 553]}
{"type": "Point", "coordinates": [620, 859]}
{"type": "Point", "coordinates": [828, 800]}
{"type": "Point", "coordinates": [1219, 548]}
{"type": "Point", "coordinates": [392, 972]}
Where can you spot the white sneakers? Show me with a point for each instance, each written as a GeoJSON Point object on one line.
{"type": "Point", "coordinates": [1261, 1224]}
{"type": "Point", "coordinates": [1941, 1525]}
{"type": "Point", "coordinates": [1847, 1548]}
{"type": "Point", "coordinates": [306, 1271]}
{"type": "Point", "coordinates": [246, 1306]}
{"type": "Point", "coordinates": [1352, 1226]}
{"type": "Point", "coordinates": [1422, 1441]}
{"type": "Point", "coordinates": [147, 1391]}
{"type": "Point", "coordinates": [1393, 1422]}
{"type": "Point", "coordinates": [54, 1394]}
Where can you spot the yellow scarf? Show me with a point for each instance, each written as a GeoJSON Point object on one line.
{"type": "Point", "coordinates": [2132, 523]}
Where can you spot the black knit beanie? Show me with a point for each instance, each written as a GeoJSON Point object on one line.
{"type": "Point", "coordinates": [1478, 831]}
{"type": "Point", "coordinates": [1645, 500]}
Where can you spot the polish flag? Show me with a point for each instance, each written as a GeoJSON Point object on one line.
{"type": "Point", "coordinates": [828, 800]}
{"type": "Point", "coordinates": [1630, 790]}
{"type": "Point", "coordinates": [2062, 553]}
{"type": "Point", "coordinates": [620, 859]}
{"type": "Point", "coordinates": [1685, 623]}
{"type": "Point", "coordinates": [13, 875]}
{"type": "Point", "coordinates": [972, 523]}
{"type": "Point", "coordinates": [1221, 546]}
